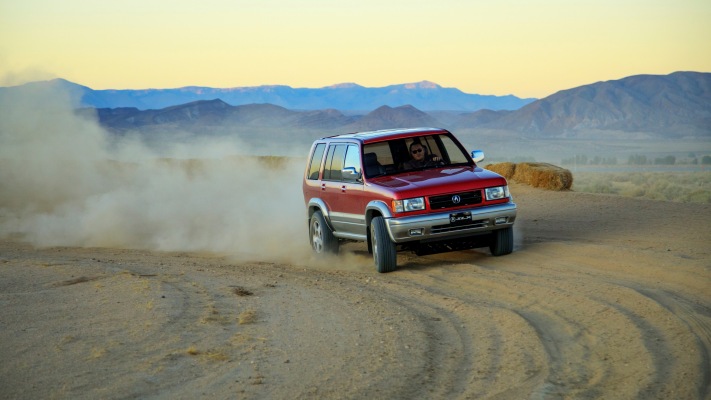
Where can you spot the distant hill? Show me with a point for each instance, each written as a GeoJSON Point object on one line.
{"type": "Point", "coordinates": [663, 106]}
{"type": "Point", "coordinates": [348, 96]}
{"type": "Point", "coordinates": [674, 105]}
{"type": "Point", "coordinates": [214, 115]}
{"type": "Point", "coordinates": [386, 117]}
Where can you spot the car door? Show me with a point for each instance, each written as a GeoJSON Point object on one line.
{"type": "Point", "coordinates": [331, 181]}
{"type": "Point", "coordinates": [341, 192]}
{"type": "Point", "coordinates": [352, 220]}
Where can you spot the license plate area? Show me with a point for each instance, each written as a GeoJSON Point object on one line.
{"type": "Point", "coordinates": [460, 218]}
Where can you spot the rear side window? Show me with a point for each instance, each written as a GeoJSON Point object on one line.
{"type": "Point", "coordinates": [334, 162]}
{"type": "Point", "coordinates": [315, 164]}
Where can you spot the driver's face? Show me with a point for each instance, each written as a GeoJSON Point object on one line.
{"type": "Point", "coordinates": [418, 153]}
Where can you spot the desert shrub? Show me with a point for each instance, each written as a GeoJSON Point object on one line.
{"type": "Point", "coordinates": [595, 184]}
{"type": "Point", "coordinates": [273, 162]}
{"type": "Point", "coordinates": [633, 191]}
{"type": "Point", "coordinates": [604, 187]}
{"type": "Point", "coordinates": [697, 196]}
{"type": "Point", "coordinates": [637, 159]}
{"type": "Point", "coordinates": [637, 178]}
{"type": "Point", "coordinates": [690, 187]}
{"type": "Point", "coordinates": [579, 159]}
{"type": "Point", "coordinates": [664, 191]}
{"type": "Point", "coordinates": [668, 160]}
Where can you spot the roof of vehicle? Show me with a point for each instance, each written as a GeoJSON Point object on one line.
{"type": "Point", "coordinates": [375, 136]}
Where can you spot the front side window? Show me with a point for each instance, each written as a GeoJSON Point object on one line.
{"type": "Point", "coordinates": [352, 160]}
{"type": "Point", "coordinates": [454, 154]}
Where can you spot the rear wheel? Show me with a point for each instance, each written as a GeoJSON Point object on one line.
{"type": "Point", "coordinates": [322, 239]}
{"type": "Point", "coordinates": [501, 242]}
{"type": "Point", "coordinates": [384, 252]}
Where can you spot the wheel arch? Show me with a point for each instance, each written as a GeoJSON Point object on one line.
{"type": "Point", "coordinates": [316, 204]}
{"type": "Point", "coordinates": [376, 208]}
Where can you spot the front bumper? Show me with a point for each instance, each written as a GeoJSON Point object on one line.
{"type": "Point", "coordinates": [437, 226]}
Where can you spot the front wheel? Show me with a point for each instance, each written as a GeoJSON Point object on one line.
{"type": "Point", "coordinates": [501, 242]}
{"type": "Point", "coordinates": [322, 239]}
{"type": "Point", "coordinates": [384, 252]}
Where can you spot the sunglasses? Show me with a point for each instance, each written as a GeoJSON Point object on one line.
{"type": "Point", "coordinates": [416, 151]}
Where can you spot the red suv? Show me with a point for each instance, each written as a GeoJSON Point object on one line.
{"type": "Point", "coordinates": [415, 189]}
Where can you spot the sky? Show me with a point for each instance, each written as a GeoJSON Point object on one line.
{"type": "Point", "coordinates": [528, 48]}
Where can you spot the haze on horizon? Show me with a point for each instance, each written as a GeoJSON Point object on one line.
{"type": "Point", "coordinates": [525, 48]}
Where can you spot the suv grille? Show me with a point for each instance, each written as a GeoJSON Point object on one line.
{"type": "Point", "coordinates": [446, 201]}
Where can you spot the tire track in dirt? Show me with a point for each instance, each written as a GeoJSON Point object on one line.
{"type": "Point", "coordinates": [410, 341]}
{"type": "Point", "coordinates": [594, 345]}
{"type": "Point", "coordinates": [592, 308]}
{"type": "Point", "coordinates": [698, 321]}
{"type": "Point", "coordinates": [461, 325]}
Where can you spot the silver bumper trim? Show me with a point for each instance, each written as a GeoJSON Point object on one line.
{"type": "Point", "coordinates": [437, 226]}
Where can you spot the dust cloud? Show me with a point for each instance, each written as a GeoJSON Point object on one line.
{"type": "Point", "coordinates": [64, 181]}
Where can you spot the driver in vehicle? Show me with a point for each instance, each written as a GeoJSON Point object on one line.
{"type": "Point", "coordinates": [420, 157]}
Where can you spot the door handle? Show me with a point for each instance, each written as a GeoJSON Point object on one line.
{"type": "Point", "coordinates": [343, 189]}
{"type": "Point", "coordinates": [323, 186]}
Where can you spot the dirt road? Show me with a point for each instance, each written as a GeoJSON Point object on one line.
{"type": "Point", "coordinates": [604, 297]}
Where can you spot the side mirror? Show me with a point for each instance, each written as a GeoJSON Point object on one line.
{"type": "Point", "coordinates": [477, 155]}
{"type": "Point", "coordinates": [350, 174]}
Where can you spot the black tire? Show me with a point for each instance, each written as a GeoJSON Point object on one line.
{"type": "Point", "coordinates": [321, 236]}
{"type": "Point", "coordinates": [384, 252]}
{"type": "Point", "coordinates": [501, 242]}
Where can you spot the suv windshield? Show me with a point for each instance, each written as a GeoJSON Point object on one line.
{"type": "Point", "coordinates": [416, 153]}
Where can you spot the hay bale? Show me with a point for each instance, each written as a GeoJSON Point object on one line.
{"type": "Point", "coordinates": [540, 175]}
{"type": "Point", "coordinates": [505, 169]}
{"type": "Point", "coordinates": [543, 175]}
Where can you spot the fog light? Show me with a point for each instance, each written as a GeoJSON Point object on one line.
{"type": "Point", "coordinates": [416, 232]}
{"type": "Point", "coordinates": [500, 220]}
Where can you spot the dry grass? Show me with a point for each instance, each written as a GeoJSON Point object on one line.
{"type": "Point", "coordinates": [680, 186]}
{"type": "Point", "coordinates": [685, 187]}
{"type": "Point", "coordinates": [215, 317]}
{"type": "Point", "coordinates": [540, 175]}
{"type": "Point", "coordinates": [216, 356]}
{"type": "Point", "coordinates": [247, 317]}
{"type": "Point", "coordinates": [64, 341]}
{"type": "Point", "coordinates": [273, 162]}
{"type": "Point", "coordinates": [74, 281]}
{"type": "Point", "coordinates": [210, 355]}
{"type": "Point", "coordinates": [240, 291]}
{"type": "Point", "coordinates": [97, 352]}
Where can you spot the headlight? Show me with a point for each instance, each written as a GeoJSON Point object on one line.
{"type": "Point", "coordinates": [496, 193]}
{"type": "Point", "coordinates": [417, 203]}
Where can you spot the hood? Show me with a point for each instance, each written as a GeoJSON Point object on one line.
{"type": "Point", "coordinates": [439, 181]}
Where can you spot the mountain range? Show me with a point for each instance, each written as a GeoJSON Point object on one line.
{"type": "Point", "coordinates": [664, 106]}
{"type": "Point", "coordinates": [674, 105]}
{"type": "Point", "coordinates": [346, 96]}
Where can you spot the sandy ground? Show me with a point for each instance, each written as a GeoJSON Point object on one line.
{"type": "Point", "coordinates": [604, 297]}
